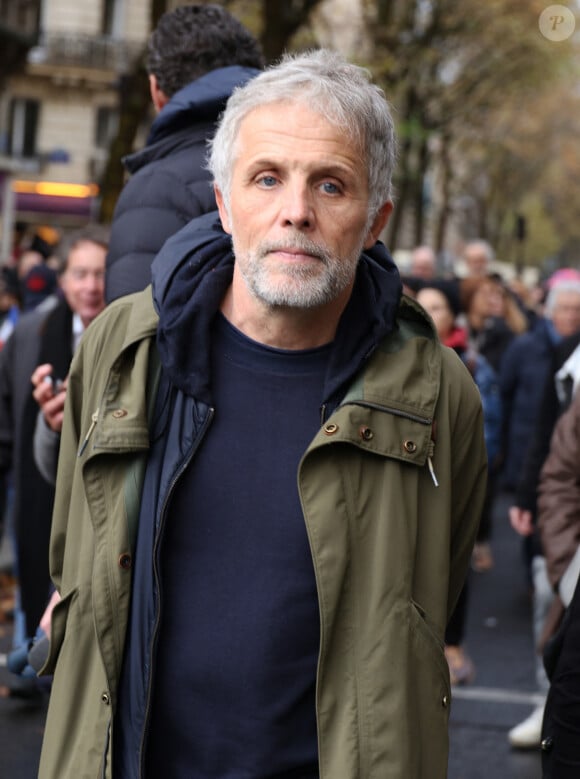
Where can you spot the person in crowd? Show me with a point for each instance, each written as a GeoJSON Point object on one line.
{"type": "Point", "coordinates": [493, 319]}
{"type": "Point", "coordinates": [530, 298]}
{"type": "Point", "coordinates": [526, 367]}
{"type": "Point", "coordinates": [423, 263]}
{"type": "Point", "coordinates": [561, 383]}
{"type": "Point", "coordinates": [273, 378]}
{"type": "Point", "coordinates": [28, 259]}
{"type": "Point", "coordinates": [442, 309]}
{"type": "Point", "coordinates": [559, 522]}
{"type": "Point", "coordinates": [39, 286]}
{"type": "Point", "coordinates": [478, 257]}
{"type": "Point", "coordinates": [196, 56]}
{"type": "Point", "coordinates": [49, 337]}
{"type": "Point", "coordinates": [10, 302]}
{"type": "Point", "coordinates": [36, 290]}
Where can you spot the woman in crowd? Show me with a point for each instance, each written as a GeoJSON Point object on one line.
{"type": "Point", "coordinates": [493, 318]}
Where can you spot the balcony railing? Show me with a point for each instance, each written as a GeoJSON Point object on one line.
{"type": "Point", "coordinates": [86, 51]}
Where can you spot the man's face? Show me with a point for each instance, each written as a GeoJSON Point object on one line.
{"type": "Point", "coordinates": [566, 312]}
{"type": "Point", "coordinates": [298, 211]}
{"type": "Point", "coordinates": [423, 264]}
{"type": "Point", "coordinates": [476, 260]}
{"type": "Point", "coordinates": [435, 304]}
{"type": "Point", "coordinates": [83, 281]}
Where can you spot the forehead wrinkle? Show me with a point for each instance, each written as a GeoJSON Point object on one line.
{"type": "Point", "coordinates": [323, 129]}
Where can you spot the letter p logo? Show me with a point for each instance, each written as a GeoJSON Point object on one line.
{"type": "Point", "coordinates": [557, 23]}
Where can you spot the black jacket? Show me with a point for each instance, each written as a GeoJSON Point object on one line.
{"type": "Point", "coordinates": [40, 336]}
{"type": "Point", "coordinates": [539, 444]}
{"type": "Point", "coordinates": [169, 184]}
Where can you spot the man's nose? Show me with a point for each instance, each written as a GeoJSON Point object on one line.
{"type": "Point", "coordinates": [297, 210]}
{"type": "Point", "coordinates": [94, 284]}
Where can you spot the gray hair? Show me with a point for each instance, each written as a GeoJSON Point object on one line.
{"type": "Point", "coordinates": [340, 91]}
{"type": "Point", "coordinates": [554, 293]}
{"type": "Point", "coordinates": [484, 246]}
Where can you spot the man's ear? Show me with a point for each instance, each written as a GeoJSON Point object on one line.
{"type": "Point", "coordinates": [158, 96]}
{"type": "Point", "coordinates": [223, 211]}
{"type": "Point", "coordinates": [379, 224]}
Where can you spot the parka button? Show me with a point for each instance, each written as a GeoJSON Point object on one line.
{"type": "Point", "coordinates": [547, 744]}
{"type": "Point", "coordinates": [330, 428]}
{"type": "Point", "coordinates": [445, 701]}
{"type": "Point", "coordinates": [410, 446]}
{"type": "Point", "coordinates": [119, 413]}
{"type": "Point", "coordinates": [366, 433]}
{"type": "Point", "coordinates": [125, 561]}
{"type": "Point", "coordinates": [105, 698]}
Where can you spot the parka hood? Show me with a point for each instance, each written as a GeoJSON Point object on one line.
{"type": "Point", "coordinates": [190, 277]}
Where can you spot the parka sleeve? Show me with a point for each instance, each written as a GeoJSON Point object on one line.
{"type": "Point", "coordinates": [67, 464]}
{"type": "Point", "coordinates": [559, 494]}
{"type": "Point", "coordinates": [45, 446]}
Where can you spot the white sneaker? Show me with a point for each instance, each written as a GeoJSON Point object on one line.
{"type": "Point", "coordinates": [528, 734]}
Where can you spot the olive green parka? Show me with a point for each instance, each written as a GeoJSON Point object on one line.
{"type": "Point", "coordinates": [391, 488]}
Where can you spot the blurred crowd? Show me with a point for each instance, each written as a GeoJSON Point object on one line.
{"type": "Point", "coordinates": [522, 346]}
{"type": "Point", "coordinates": [50, 291]}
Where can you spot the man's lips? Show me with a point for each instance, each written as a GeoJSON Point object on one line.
{"type": "Point", "coordinates": [295, 255]}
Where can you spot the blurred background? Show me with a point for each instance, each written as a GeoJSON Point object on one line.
{"type": "Point", "coordinates": [487, 105]}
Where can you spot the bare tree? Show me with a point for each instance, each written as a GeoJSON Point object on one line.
{"type": "Point", "coordinates": [448, 65]}
{"type": "Point", "coordinates": [134, 104]}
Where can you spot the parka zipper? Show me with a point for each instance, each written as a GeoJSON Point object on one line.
{"type": "Point", "coordinates": [94, 420]}
{"type": "Point", "coordinates": [430, 462]}
{"type": "Point", "coordinates": [156, 548]}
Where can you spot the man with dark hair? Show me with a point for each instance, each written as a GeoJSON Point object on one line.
{"type": "Point", "coordinates": [47, 335]}
{"type": "Point", "coordinates": [196, 56]}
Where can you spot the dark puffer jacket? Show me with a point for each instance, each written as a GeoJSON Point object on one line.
{"type": "Point", "coordinates": [524, 370]}
{"type": "Point", "coordinates": [169, 184]}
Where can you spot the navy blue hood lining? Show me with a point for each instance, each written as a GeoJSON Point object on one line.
{"type": "Point", "coordinates": [191, 275]}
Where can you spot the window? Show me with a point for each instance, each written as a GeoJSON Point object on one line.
{"type": "Point", "coordinates": [23, 127]}
{"type": "Point", "coordinates": [107, 122]}
{"type": "Point", "coordinates": [112, 23]}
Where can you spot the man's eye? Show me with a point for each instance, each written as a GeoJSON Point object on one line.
{"type": "Point", "coordinates": [330, 188]}
{"type": "Point", "coordinates": [267, 181]}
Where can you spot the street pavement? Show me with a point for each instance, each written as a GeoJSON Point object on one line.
{"type": "Point", "coordinates": [21, 725]}
{"type": "Point", "coordinates": [499, 640]}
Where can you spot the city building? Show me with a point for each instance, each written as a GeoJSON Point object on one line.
{"type": "Point", "coordinates": [59, 105]}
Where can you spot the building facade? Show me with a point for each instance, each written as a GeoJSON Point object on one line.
{"type": "Point", "coordinates": [59, 112]}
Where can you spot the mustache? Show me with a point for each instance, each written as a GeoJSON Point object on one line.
{"type": "Point", "coordinates": [296, 242]}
